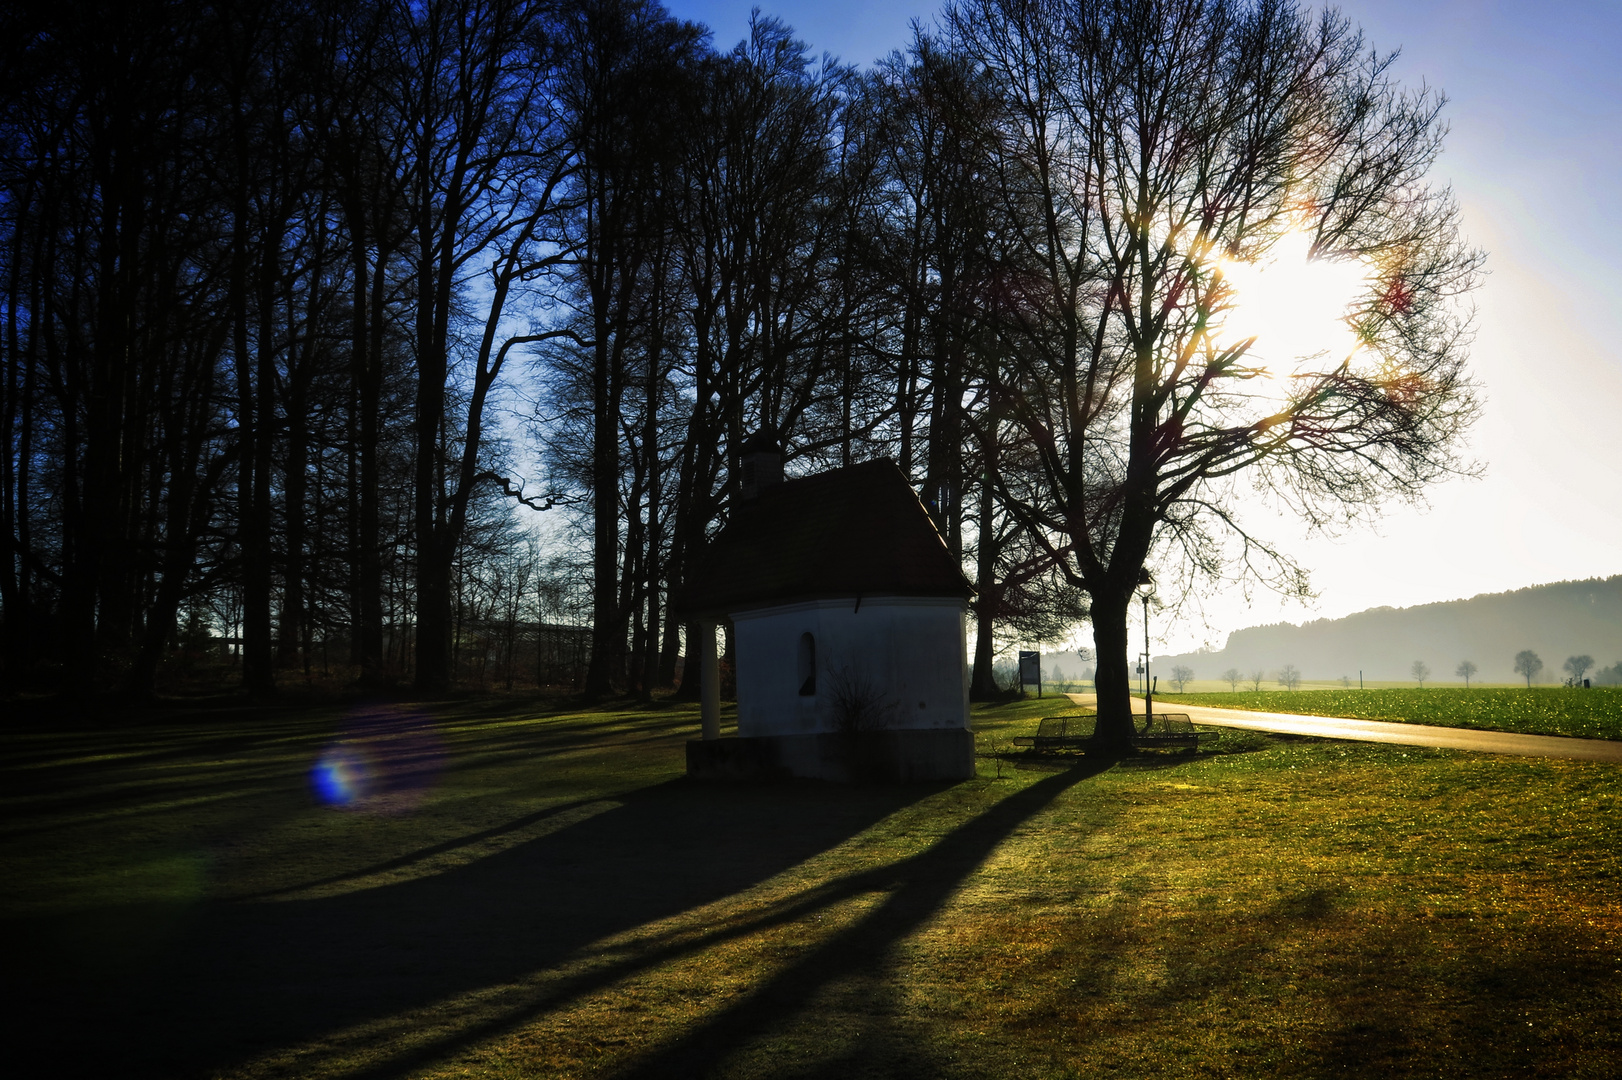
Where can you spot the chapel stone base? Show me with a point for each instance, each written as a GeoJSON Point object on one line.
{"type": "Point", "coordinates": [894, 757]}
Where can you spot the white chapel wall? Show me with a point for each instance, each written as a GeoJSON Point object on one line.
{"type": "Point", "coordinates": [912, 650]}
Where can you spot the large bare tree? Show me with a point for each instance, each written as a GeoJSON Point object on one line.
{"type": "Point", "coordinates": [1143, 147]}
{"type": "Point", "coordinates": [487, 157]}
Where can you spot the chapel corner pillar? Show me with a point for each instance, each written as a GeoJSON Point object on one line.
{"type": "Point", "coordinates": [709, 679]}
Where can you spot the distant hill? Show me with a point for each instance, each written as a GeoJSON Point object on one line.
{"type": "Point", "coordinates": [1555, 621]}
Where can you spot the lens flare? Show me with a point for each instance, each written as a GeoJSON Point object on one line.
{"type": "Point", "coordinates": [342, 775]}
{"type": "Point", "coordinates": [1294, 306]}
{"type": "Point", "coordinates": [385, 760]}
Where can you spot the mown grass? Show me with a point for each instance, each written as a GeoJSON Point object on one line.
{"type": "Point", "coordinates": [528, 891]}
{"type": "Point", "coordinates": [1591, 714]}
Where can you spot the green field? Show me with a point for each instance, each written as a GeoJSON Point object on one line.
{"type": "Point", "coordinates": [1592, 714]}
{"type": "Point", "coordinates": [521, 890]}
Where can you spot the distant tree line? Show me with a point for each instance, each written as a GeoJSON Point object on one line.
{"type": "Point", "coordinates": [308, 307]}
{"type": "Point", "coordinates": [1527, 664]}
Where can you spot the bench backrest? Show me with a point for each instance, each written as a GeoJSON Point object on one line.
{"type": "Point", "coordinates": [1081, 727]}
{"type": "Point", "coordinates": [1169, 724]}
{"type": "Point", "coordinates": [1066, 727]}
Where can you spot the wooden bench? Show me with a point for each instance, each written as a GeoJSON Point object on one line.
{"type": "Point", "coordinates": [1076, 732]}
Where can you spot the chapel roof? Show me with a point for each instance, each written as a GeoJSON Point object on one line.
{"type": "Point", "coordinates": [856, 531]}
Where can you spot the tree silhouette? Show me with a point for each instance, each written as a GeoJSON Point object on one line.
{"type": "Point", "coordinates": [1577, 666]}
{"type": "Point", "coordinates": [1528, 663]}
{"type": "Point", "coordinates": [1420, 671]}
{"type": "Point", "coordinates": [1466, 669]}
{"type": "Point", "coordinates": [269, 270]}
{"type": "Point", "coordinates": [1139, 146]}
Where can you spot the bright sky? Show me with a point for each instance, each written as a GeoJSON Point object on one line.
{"type": "Point", "coordinates": [1535, 156]}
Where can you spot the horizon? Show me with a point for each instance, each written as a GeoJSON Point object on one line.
{"type": "Point", "coordinates": [1557, 624]}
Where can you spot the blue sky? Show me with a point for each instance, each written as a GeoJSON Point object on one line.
{"type": "Point", "coordinates": [1535, 157]}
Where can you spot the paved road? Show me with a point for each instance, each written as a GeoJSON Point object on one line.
{"type": "Point", "coordinates": [1334, 727]}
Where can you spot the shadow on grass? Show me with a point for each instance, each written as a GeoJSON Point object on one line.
{"type": "Point", "coordinates": [1064, 761]}
{"type": "Point", "coordinates": [1391, 999]}
{"type": "Point", "coordinates": [918, 887]}
{"type": "Point", "coordinates": [381, 978]}
{"type": "Point", "coordinates": [218, 983]}
{"type": "Point", "coordinates": [57, 777]}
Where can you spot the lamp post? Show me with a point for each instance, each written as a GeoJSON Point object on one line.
{"type": "Point", "coordinates": [1146, 582]}
{"type": "Point", "coordinates": [1148, 685]}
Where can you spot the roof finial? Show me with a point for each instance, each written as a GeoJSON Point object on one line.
{"type": "Point", "coordinates": [762, 461]}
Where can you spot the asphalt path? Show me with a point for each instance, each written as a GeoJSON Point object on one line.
{"type": "Point", "coordinates": [1337, 727]}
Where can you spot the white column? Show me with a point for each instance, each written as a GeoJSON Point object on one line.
{"type": "Point", "coordinates": [709, 679]}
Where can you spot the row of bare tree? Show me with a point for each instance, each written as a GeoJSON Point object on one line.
{"type": "Point", "coordinates": [302, 296]}
{"type": "Point", "coordinates": [280, 275]}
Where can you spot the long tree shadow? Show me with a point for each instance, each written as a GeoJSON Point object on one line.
{"type": "Point", "coordinates": [223, 982]}
{"type": "Point", "coordinates": [1497, 1003]}
{"type": "Point", "coordinates": [918, 887]}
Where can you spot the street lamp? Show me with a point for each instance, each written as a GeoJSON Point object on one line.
{"type": "Point", "coordinates": [1147, 582]}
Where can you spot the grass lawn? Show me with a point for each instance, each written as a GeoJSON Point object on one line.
{"type": "Point", "coordinates": [1590, 714]}
{"type": "Point", "coordinates": [519, 891]}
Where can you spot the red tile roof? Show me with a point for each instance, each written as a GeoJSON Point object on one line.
{"type": "Point", "coordinates": [857, 531]}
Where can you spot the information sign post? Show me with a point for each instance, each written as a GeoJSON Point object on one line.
{"type": "Point", "coordinates": [1030, 670]}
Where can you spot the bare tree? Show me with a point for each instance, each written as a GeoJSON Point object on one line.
{"type": "Point", "coordinates": [1465, 670]}
{"type": "Point", "coordinates": [1289, 677]}
{"type": "Point", "coordinates": [1233, 676]}
{"type": "Point", "coordinates": [1528, 663]}
{"type": "Point", "coordinates": [1181, 676]}
{"type": "Point", "coordinates": [1256, 678]}
{"type": "Point", "coordinates": [487, 152]}
{"type": "Point", "coordinates": [1420, 671]}
{"type": "Point", "coordinates": [116, 245]}
{"type": "Point", "coordinates": [1577, 666]}
{"type": "Point", "coordinates": [1141, 144]}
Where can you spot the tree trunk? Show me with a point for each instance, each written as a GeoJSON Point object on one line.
{"type": "Point", "coordinates": [371, 472]}
{"type": "Point", "coordinates": [983, 686]}
{"type": "Point", "coordinates": [352, 523]}
{"type": "Point", "coordinates": [669, 649]}
{"type": "Point", "coordinates": [650, 447]}
{"type": "Point", "coordinates": [692, 683]}
{"type": "Point", "coordinates": [298, 436]}
{"type": "Point", "coordinates": [295, 631]}
{"type": "Point", "coordinates": [1113, 677]}
{"type": "Point", "coordinates": [433, 561]}
{"type": "Point", "coordinates": [251, 530]}
{"type": "Point", "coordinates": [259, 668]}
{"type": "Point", "coordinates": [607, 636]}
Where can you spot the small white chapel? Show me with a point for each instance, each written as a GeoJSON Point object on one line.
{"type": "Point", "coordinates": [850, 630]}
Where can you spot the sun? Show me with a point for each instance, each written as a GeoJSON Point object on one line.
{"type": "Point", "coordinates": [1295, 307]}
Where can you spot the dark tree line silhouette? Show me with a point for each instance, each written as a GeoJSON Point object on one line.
{"type": "Point", "coordinates": [309, 306]}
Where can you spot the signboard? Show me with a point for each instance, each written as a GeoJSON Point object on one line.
{"type": "Point", "coordinates": [1030, 670]}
